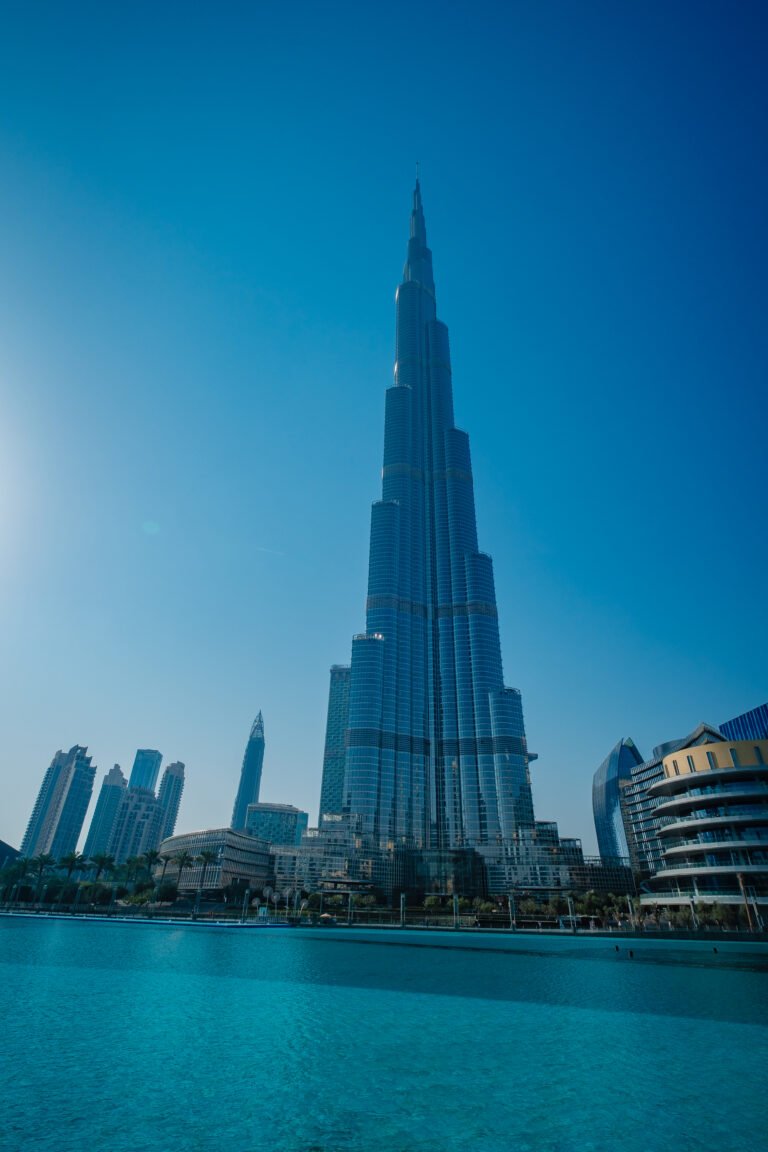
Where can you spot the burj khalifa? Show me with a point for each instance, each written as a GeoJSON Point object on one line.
{"type": "Point", "coordinates": [434, 752]}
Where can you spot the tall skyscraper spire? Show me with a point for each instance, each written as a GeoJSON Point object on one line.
{"type": "Point", "coordinates": [436, 755]}
{"type": "Point", "coordinates": [250, 775]}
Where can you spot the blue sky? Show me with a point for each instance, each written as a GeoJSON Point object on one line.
{"type": "Point", "coordinates": [203, 216]}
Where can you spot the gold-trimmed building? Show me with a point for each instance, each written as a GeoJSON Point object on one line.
{"type": "Point", "coordinates": [713, 824]}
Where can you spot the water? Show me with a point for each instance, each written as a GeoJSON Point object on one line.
{"type": "Point", "coordinates": [149, 1038]}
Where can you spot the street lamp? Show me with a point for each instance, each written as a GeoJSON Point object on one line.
{"type": "Point", "coordinates": [694, 920]}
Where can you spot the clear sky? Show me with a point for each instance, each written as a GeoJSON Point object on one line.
{"type": "Point", "coordinates": [203, 217]}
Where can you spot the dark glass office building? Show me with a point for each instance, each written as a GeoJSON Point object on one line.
{"type": "Point", "coordinates": [250, 775]}
{"type": "Point", "coordinates": [436, 755]}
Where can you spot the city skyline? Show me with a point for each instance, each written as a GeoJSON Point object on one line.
{"type": "Point", "coordinates": [195, 349]}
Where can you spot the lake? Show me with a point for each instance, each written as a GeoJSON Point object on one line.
{"type": "Point", "coordinates": [147, 1037]}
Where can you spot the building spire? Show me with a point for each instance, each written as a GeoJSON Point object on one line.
{"type": "Point", "coordinates": [418, 225]}
{"type": "Point", "coordinates": [418, 263]}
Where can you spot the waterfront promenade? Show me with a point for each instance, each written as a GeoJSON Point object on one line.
{"type": "Point", "coordinates": [706, 946]}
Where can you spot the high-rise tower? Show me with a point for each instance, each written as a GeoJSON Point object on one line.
{"type": "Point", "coordinates": [62, 802]}
{"type": "Point", "coordinates": [250, 775]}
{"type": "Point", "coordinates": [332, 788]}
{"type": "Point", "coordinates": [169, 796]}
{"type": "Point", "coordinates": [113, 788]}
{"type": "Point", "coordinates": [436, 755]}
{"type": "Point", "coordinates": [146, 766]}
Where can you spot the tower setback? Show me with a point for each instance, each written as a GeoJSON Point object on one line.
{"type": "Point", "coordinates": [435, 750]}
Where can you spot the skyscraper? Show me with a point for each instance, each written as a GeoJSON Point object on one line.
{"type": "Point", "coordinates": [113, 787]}
{"type": "Point", "coordinates": [332, 788]}
{"type": "Point", "coordinates": [62, 802]}
{"type": "Point", "coordinates": [146, 766]}
{"type": "Point", "coordinates": [614, 772]}
{"type": "Point", "coordinates": [250, 775]}
{"type": "Point", "coordinates": [436, 754]}
{"type": "Point", "coordinates": [138, 825]}
{"type": "Point", "coordinates": [169, 796]}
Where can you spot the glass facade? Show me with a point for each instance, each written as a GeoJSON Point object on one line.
{"type": "Point", "coordinates": [614, 771]}
{"type": "Point", "coordinates": [250, 774]}
{"type": "Point", "coordinates": [276, 823]}
{"type": "Point", "coordinates": [113, 787]}
{"type": "Point", "coordinates": [169, 796]}
{"type": "Point", "coordinates": [749, 726]}
{"type": "Point", "coordinates": [436, 755]}
{"type": "Point", "coordinates": [335, 854]}
{"type": "Point", "coordinates": [62, 802]}
{"type": "Point", "coordinates": [332, 788]}
{"type": "Point", "coordinates": [146, 768]}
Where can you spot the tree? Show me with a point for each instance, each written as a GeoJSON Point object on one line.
{"type": "Point", "coordinates": [183, 860]}
{"type": "Point", "coordinates": [13, 876]}
{"type": "Point", "coordinates": [206, 858]}
{"type": "Point", "coordinates": [104, 863]}
{"type": "Point", "coordinates": [131, 868]}
{"type": "Point", "coordinates": [71, 862]}
{"type": "Point", "coordinates": [41, 865]}
{"type": "Point", "coordinates": [166, 859]}
{"type": "Point", "coordinates": [150, 858]}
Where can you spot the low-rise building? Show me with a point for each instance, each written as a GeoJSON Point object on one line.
{"type": "Point", "coordinates": [239, 859]}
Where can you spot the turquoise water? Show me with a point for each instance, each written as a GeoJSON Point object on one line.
{"type": "Point", "coordinates": [151, 1038]}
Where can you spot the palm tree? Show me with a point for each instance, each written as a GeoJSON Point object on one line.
{"type": "Point", "coordinates": [131, 869]}
{"type": "Point", "coordinates": [40, 865]}
{"type": "Point", "coordinates": [166, 861]}
{"type": "Point", "coordinates": [183, 860]}
{"type": "Point", "coordinates": [206, 858]}
{"type": "Point", "coordinates": [72, 861]}
{"type": "Point", "coordinates": [150, 859]}
{"type": "Point", "coordinates": [13, 876]}
{"type": "Point", "coordinates": [104, 863]}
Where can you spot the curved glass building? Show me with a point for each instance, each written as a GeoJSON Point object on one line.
{"type": "Point", "coordinates": [615, 770]}
{"type": "Point", "coordinates": [250, 775]}
{"type": "Point", "coordinates": [435, 748]}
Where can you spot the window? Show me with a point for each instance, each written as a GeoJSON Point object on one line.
{"type": "Point", "coordinates": [712, 760]}
{"type": "Point", "coordinates": [759, 756]}
{"type": "Point", "coordinates": [735, 757]}
{"type": "Point", "coordinates": [691, 763]}
{"type": "Point", "coordinates": [674, 765]}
